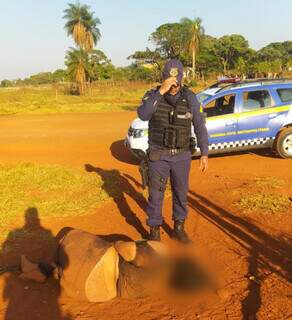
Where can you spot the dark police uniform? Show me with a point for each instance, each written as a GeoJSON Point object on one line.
{"type": "Point", "coordinates": [170, 126]}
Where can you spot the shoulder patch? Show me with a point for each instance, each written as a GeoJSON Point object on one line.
{"type": "Point", "coordinates": [146, 95]}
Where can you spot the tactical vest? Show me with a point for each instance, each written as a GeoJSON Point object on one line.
{"type": "Point", "coordinates": [170, 126]}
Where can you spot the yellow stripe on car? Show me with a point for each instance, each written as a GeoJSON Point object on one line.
{"type": "Point", "coordinates": [248, 114]}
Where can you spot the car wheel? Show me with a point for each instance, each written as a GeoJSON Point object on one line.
{"type": "Point", "coordinates": [284, 143]}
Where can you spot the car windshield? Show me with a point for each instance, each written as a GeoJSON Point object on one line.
{"type": "Point", "coordinates": [202, 96]}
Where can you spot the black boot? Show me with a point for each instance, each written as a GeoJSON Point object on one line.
{"type": "Point", "coordinates": [179, 232]}
{"type": "Point", "coordinates": [154, 233]}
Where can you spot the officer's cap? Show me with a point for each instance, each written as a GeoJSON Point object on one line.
{"type": "Point", "coordinates": [173, 68]}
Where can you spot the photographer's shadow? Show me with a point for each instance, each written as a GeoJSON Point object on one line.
{"type": "Point", "coordinates": [30, 300]}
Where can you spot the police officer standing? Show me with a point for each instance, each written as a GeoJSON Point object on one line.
{"type": "Point", "coordinates": [172, 109]}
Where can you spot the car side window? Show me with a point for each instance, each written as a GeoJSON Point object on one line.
{"type": "Point", "coordinates": [221, 106]}
{"type": "Point", "coordinates": [285, 94]}
{"type": "Point", "coordinates": [253, 100]}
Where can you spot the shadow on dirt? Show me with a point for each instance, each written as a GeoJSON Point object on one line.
{"type": "Point", "coordinates": [117, 187]}
{"type": "Point", "coordinates": [28, 300]}
{"type": "Point", "coordinates": [165, 226]}
{"type": "Point", "coordinates": [263, 251]}
{"type": "Point", "coordinates": [121, 153]}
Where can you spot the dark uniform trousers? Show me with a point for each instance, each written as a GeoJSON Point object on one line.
{"type": "Point", "coordinates": [159, 172]}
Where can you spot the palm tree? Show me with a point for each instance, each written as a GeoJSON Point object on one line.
{"type": "Point", "coordinates": [82, 25]}
{"type": "Point", "coordinates": [194, 31]}
{"type": "Point", "coordinates": [78, 67]}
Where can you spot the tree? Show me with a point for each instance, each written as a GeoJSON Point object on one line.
{"type": "Point", "coordinates": [170, 40]}
{"type": "Point", "coordinates": [41, 78]}
{"type": "Point", "coordinates": [138, 72]}
{"type": "Point", "coordinates": [78, 67]}
{"type": "Point", "coordinates": [263, 67]}
{"type": "Point", "coordinates": [289, 64]}
{"type": "Point", "coordinates": [149, 58]}
{"type": "Point", "coordinates": [241, 66]}
{"type": "Point", "coordinates": [245, 64]}
{"type": "Point", "coordinates": [59, 75]}
{"type": "Point", "coordinates": [100, 66]}
{"type": "Point", "coordinates": [229, 49]}
{"type": "Point", "coordinates": [276, 66]}
{"type": "Point", "coordinates": [207, 61]}
{"type": "Point", "coordinates": [6, 83]}
{"type": "Point", "coordinates": [194, 32]}
{"type": "Point", "coordinates": [82, 26]}
{"type": "Point", "coordinates": [272, 52]}
{"type": "Point", "coordinates": [287, 45]}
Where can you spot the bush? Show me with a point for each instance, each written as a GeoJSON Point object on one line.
{"type": "Point", "coordinates": [6, 83]}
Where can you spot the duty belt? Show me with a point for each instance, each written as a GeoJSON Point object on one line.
{"type": "Point", "coordinates": [174, 151]}
{"type": "Point", "coordinates": [157, 153]}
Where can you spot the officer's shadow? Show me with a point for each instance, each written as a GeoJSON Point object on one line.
{"type": "Point", "coordinates": [29, 300]}
{"type": "Point", "coordinates": [117, 187]}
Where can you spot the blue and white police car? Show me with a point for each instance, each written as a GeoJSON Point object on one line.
{"type": "Point", "coordinates": [241, 116]}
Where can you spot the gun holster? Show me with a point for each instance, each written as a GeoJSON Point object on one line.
{"type": "Point", "coordinates": [144, 171]}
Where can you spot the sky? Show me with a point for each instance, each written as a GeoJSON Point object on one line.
{"type": "Point", "coordinates": [33, 39]}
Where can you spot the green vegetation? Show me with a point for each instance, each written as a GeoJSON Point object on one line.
{"type": "Point", "coordinates": [209, 56]}
{"type": "Point", "coordinates": [55, 191]}
{"type": "Point", "coordinates": [81, 25]}
{"type": "Point", "coordinates": [265, 195]}
{"type": "Point", "coordinates": [56, 100]}
{"type": "Point", "coordinates": [267, 183]}
{"type": "Point", "coordinates": [204, 56]}
{"type": "Point", "coordinates": [265, 202]}
{"type": "Point", "coordinates": [102, 96]}
{"type": "Point", "coordinates": [193, 39]}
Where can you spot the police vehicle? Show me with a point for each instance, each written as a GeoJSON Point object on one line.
{"type": "Point", "coordinates": [240, 116]}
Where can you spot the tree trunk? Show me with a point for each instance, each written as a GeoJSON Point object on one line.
{"type": "Point", "coordinates": [194, 63]}
{"type": "Point", "coordinates": [79, 85]}
{"type": "Point", "coordinates": [81, 88]}
{"type": "Point", "coordinates": [224, 62]}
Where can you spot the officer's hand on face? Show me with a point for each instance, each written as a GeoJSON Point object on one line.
{"type": "Point", "coordinates": [167, 84]}
{"type": "Point", "coordinates": [204, 163]}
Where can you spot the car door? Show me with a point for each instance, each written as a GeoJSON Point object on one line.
{"type": "Point", "coordinates": [221, 119]}
{"type": "Point", "coordinates": [257, 116]}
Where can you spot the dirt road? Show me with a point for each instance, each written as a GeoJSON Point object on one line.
{"type": "Point", "coordinates": [250, 254]}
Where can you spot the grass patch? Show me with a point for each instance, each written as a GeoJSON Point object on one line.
{"type": "Point", "coordinates": [44, 100]}
{"type": "Point", "coordinates": [269, 182]}
{"type": "Point", "coordinates": [266, 202]}
{"type": "Point", "coordinates": [55, 191]}
{"type": "Point", "coordinates": [266, 196]}
{"type": "Point", "coordinates": [47, 100]}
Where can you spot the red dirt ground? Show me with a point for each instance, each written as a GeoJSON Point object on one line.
{"type": "Point", "coordinates": [231, 245]}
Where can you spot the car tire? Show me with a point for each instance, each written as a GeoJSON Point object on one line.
{"type": "Point", "coordinates": [284, 143]}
